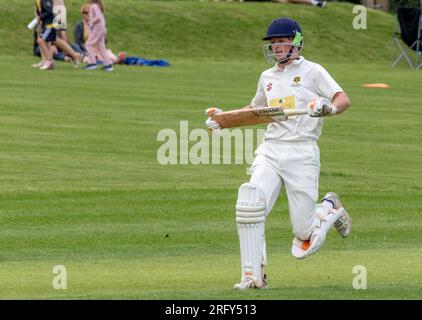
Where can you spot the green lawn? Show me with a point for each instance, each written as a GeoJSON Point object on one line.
{"type": "Point", "coordinates": [82, 187]}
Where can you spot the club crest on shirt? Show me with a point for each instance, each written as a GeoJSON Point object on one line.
{"type": "Point", "coordinates": [296, 82]}
{"type": "Point", "coordinates": [269, 86]}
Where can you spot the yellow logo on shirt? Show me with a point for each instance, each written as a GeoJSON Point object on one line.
{"type": "Point", "coordinates": [285, 103]}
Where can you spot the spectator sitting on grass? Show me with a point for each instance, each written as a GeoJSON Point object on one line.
{"type": "Point", "coordinates": [81, 31]}
{"type": "Point", "coordinates": [58, 55]}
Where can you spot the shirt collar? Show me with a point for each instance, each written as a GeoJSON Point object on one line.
{"type": "Point", "coordinates": [295, 63]}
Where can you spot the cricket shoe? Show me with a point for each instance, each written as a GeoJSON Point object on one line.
{"type": "Point", "coordinates": [343, 224]}
{"type": "Point", "coordinates": [250, 283]}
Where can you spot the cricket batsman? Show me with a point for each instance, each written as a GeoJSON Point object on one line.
{"type": "Point", "coordinates": [289, 154]}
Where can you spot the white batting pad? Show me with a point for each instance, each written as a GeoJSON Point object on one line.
{"type": "Point", "coordinates": [327, 217]}
{"type": "Point", "coordinates": [325, 220]}
{"type": "Point", "coordinates": [250, 218]}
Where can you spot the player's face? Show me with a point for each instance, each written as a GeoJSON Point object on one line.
{"type": "Point", "coordinates": [281, 46]}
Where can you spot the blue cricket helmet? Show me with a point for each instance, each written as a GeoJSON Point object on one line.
{"type": "Point", "coordinates": [283, 27]}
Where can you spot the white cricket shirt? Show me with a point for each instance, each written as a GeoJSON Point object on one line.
{"type": "Point", "coordinates": [292, 88]}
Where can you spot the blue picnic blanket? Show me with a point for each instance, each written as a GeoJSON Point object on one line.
{"type": "Point", "coordinates": [138, 61]}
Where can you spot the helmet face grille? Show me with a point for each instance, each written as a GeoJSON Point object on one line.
{"type": "Point", "coordinates": [272, 57]}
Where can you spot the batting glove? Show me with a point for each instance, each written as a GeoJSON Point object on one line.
{"type": "Point", "coordinates": [212, 125]}
{"type": "Point", "coordinates": [320, 107]}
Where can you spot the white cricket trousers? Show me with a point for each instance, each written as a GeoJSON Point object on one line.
{"type": "Point", "coordinates": [296, 166]}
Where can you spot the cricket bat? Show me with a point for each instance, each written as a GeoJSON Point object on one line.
{"type": "Point", "coordinates": [251, 116]}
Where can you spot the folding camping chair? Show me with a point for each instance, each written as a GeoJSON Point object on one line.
{"type": "Point", "coordinates": [409, 31]}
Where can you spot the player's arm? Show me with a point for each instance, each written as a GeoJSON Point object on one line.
{"type": "Point", "coordinates": [331, 98]}
{"type": "Point", "coordinates": [341, 102]}
{"type": "Point", "coordinates": [321, 107]}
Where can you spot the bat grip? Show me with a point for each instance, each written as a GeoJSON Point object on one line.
{"type": "Point", "coordinates": [295, 112]}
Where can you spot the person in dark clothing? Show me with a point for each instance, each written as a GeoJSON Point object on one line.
{"type": "Point", "coordinates": [48, 41]}
{"type": "Point", "coordinates": [44, 13]}
{"type": "Point", "coordinates": [78, 36]}
{"type": "Point", "coordinates": [81, 31]}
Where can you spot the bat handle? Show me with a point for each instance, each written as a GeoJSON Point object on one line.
{"type": "Point", "coordinates": [295, 112]}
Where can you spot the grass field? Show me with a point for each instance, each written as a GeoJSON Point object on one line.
{"type": "Point", "coordinates": [81, 185]}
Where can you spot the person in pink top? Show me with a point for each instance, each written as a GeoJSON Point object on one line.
{"type": "Point", "coordinates": [96, 39]}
